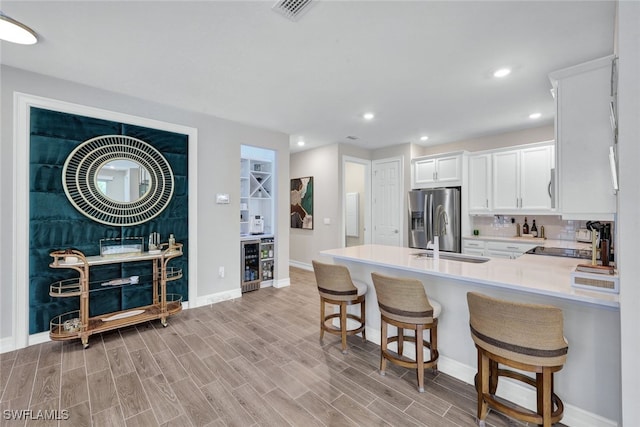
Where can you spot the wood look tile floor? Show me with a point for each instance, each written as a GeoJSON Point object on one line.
{"type": "Point", "coordinates": [253, 361]}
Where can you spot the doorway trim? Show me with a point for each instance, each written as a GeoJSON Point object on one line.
{"type": "Point", "coordinates": [367, 195]}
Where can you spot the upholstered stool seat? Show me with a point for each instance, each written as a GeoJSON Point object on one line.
{"type": "Point", "coordinates": [526, 337]}
{"type": "Point", "coordinates": [336, 287]}
{"type": "Point", "coordinates": [404, 304]}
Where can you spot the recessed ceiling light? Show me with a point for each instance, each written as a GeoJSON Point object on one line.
{"type": "Point", "coordinates": [16, 32]}
{"type": "Point", "coordinates": [502, 72]}
{"type": "Point", "coordinates": [300, 143]}
{"type": "Point", "coordinates": [368, 116]}
{"type": "Point", "coordinates": [535, 115]}
{"type": "Point", "coordinates": [424, 138]}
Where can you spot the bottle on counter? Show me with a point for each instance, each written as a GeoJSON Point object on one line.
{"type": "Point", "coordinates": [542, 236]}
{"type": "Point", "coordinates": [525, 226]}
{"type": "Point", "coordinates": [534, 229]}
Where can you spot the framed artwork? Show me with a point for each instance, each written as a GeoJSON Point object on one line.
{"type": "Point", "coordinates": [302, 203]}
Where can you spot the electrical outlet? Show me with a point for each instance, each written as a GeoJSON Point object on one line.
{"type": "Point", "coordinates": [221, 271]}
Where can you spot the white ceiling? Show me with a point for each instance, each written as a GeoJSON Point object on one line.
{"type": "Point", "coordinates": [423, 67]}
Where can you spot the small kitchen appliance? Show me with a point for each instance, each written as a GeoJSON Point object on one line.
{"type": "Point", "coordinates": [257, 225]}
{"type": "Point", "coordinates": [583, 235]}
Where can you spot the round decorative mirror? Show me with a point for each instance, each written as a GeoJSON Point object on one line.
{"type": "Point", "coordinates": [118, 180]}
{"type": "Point", "coordinates": [123, 180]}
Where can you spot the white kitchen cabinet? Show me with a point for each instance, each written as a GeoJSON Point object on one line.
{"type": "Point", "coordinates": [476, 252]}
{"type": "Point", "coordinates": [473, 247]}
{"type": "Point", "coordinates": [535, 178]}
{"type": "Point", "coordinates": [584, 135]}
{"type": "Point", "coordinates": [508, 250]}
{"type": "Point", "coordinates": [479, 183]}
{"type": "Point", "coordinates": [495, 249]}
{"type": "Point", "coordinates": [506, 180]}
{"type": "Point", "coordinates": [437, 171]}
{"type": "Point", "coordinates": [522, 179]}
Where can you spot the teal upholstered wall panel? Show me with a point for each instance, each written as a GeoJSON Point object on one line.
{"type": "Point", "coordinates": [55, 224]}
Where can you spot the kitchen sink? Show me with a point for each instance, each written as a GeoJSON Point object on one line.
{"type": "Point", "coordinates": [453, 257]}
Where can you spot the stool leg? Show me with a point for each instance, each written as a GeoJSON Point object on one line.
{"type": "Point", "coordinates": [383, 346]}
{"type": "Point", "coordinates": [400, 341]}
{"type": "Point", "coordinates": [343, 326]}
{"type": "Point", "coordinates": [493, 376]}
{"type": "Point", "coordinates": [321, 318]}
{"type": "Point", "coordinates": [362, 317]}
{"type": "Point", "coordinates": [420, 357]}
{"type": "Point", "coordinates": [483, 386]}
{"type": "Point", "coordinates": [544, 383]}
{"type": "Point", "coordinates": [433, 343]}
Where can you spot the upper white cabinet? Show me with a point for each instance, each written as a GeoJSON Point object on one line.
{"type": "Point", "coordinates": [584, 135]}
{"type": "Point", "coordinates": [512, 180]}
{"type": "Point", "coordinates": [506, 180]}
{"type": "Point", "coordinates": [479, 183]}
{"type": "Point", "coordinates": [535, 178]}
{"type": "Point", "coordinates": [437, 171]}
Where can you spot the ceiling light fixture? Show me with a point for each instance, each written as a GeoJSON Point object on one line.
{"type": "Point", "coordinates": [424, 138]}
{"type": "Point", "coordinates": [535, 116]}
{"type": "Point", "coordinates": [502, 72]}
{"type": "Point", "coordinates": [368, 116]}
{"type": "Point", "coordinates": [16, 32]}
{"type": "Point", "coordinates": [300, 143]}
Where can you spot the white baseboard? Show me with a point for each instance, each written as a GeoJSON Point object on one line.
{"type": "Point", "coordinates": [282, 283]}
{"type": "Point", "coordinates": [217, 297]}
{"type": "Point", "coordinates": [301, 265]}
{"type": "Point", "coordinates": [509, 389]}
{"type": "Point", "coordinates": [39, 338]}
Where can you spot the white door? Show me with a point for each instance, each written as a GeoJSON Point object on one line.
{"type": "Point", "coordinates": [387, 202]}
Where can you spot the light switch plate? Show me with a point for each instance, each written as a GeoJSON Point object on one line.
{"type": "Point", "coordinates": [222, 198]}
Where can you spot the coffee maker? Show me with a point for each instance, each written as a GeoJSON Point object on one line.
{"type": "Point", "coordinates": [257, 225]}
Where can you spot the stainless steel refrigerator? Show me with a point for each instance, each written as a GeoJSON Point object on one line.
{"type": "Point", "coordinates": [435, 212]}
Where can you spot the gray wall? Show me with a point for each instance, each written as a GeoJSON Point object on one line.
{"type": "Point", "coordinates": [323, 165]}
{"type": "Point", "coordinates": [218, 172]}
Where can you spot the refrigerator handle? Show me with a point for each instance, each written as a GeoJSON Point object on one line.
{"type": "Point", "coordinates": [428, 216]}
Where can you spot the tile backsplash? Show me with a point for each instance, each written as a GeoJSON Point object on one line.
{"type": "Point", "coordinates": [501, 226]}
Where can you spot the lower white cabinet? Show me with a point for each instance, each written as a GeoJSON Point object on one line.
{"type": "Point", "coordinates": [507, 249]}
{"type": "Point", "coordinates": [495, 249]}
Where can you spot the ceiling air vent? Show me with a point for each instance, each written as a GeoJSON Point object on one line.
{"type": "Point", "coordinates": [292, 9]}
{"type": "Point", "coordinates": [351, 137]}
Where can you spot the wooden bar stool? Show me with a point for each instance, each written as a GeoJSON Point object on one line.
{"type": "Point", "coordinates": [404, 304]}
{"type": "Point", "coordinates": [527, 337]}
{"type": "Point", "coordinates": [336, 287]}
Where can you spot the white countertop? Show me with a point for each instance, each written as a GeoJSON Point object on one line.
{"type": "Point", "coordinates": [544, 275]}
{"type": "Point", "coordinates": [549, 243]}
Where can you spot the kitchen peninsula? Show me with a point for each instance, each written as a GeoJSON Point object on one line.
{"type": "Point", "coordinates": [589, 382]}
